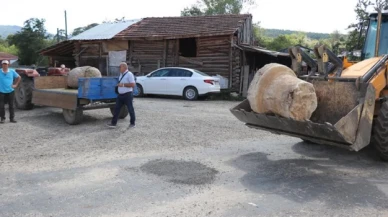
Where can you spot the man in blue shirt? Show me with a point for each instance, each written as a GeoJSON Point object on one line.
{"type": "Point", "coordinates": [7, 93]}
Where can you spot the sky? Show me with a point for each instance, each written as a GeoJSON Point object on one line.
{"type": "Point", "coordinates": [301, 15]}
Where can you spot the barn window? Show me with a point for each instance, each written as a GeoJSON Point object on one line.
{"type": "Point", "coordinates": [188, 47]}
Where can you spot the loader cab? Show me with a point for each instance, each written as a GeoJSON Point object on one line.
{"type": "Point", "coordinates": [368, 50]}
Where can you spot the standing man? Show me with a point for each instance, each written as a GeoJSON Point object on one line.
{"type": "Point", "coordinates": [125, 96]}
{"type": "Point", "coordinates": [7, 93]}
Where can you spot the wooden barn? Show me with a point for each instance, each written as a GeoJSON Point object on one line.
{"type": "Point", "coordinates": [206, 43]}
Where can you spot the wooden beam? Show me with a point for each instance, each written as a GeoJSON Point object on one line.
{"type": "Point", "coordinates": [231, 61]}
{"type": "Point", "coordinates": [164, 52]}
{"type": "Point", "coordinates": [176, 57]}
{"type": "Point", "coordinates": [192, 61]}
{"type": "Point", "coordinates": [245, 82]}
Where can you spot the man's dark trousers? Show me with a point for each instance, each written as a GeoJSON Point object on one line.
{"type": "Point", "coordinates": [7, 97]}
{"type": "Point", "coordinates": [127, 100]}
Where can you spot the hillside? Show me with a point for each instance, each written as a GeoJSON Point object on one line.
{"type": "Point", "coordinates": [7, 30]}
{"type": "Point", "coordinates": [273, 33]}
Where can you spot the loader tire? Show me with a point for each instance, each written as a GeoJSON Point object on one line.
{"type": "Point", "coordinates": [23, 94]}
{"type": "Point", "coordinates": [380, 132]}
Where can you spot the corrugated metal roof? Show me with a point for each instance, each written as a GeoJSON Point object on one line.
{"type": "Point", "coordinates": [104, 31]}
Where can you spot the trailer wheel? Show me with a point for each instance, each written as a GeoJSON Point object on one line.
{"type": "Point", "coordinates": [73, 117]}
{"type": "Point", "coordinates": [123, 112]}
{"type": "Point", "coordinates": [380, 132]}
{"type": "Point", "coordinates": [23, 94]}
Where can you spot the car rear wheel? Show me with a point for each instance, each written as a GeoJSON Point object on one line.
{"type": "Point", "coordinates": [190, 93]}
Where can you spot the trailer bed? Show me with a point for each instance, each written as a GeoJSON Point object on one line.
{"type": "Point", "coordinates": [60, 90]}
{"type": "Point", "coordinates": [53, 91]}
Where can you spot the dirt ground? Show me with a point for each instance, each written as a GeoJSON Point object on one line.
{"type": "Point", "coordinates": [182, 159]}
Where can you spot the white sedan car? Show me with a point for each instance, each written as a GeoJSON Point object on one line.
{"type": "Point", "coordinates": [177, 81]}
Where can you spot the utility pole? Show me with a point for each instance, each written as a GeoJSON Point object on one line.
{"type": "Point", "coordinates": [57, 34]}
{"type": "Point", "coordinates": [65, 25]}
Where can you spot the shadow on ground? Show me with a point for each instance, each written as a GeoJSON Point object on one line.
{"type": "Point", "coordinates": [47, 120]}
{"type": "Point", "coordinates": [336, 177]}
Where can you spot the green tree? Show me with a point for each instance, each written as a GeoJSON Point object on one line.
{"type": "Point", "coordinates": [259, 33]}
{"type": "Point", "coordinates": [192, 11]}
{"type": "Point", "coordinates": [80, 30]}
{"type": "Point", "coordinates": [213, 7]}
{"type": "Point", "coordinates": [32, 38]}
{"type": "Point", "coordinates": [358, 29]}
{"type": "Point", "coordinates": [380, 5]}
{"type": "Point", "coordinates": [281, 42]}
{"type": "Point", "coordinates": [5, 47]}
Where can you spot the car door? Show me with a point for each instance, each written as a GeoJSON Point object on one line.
{"type": "Point", "coordinates": [177, 81]}
{"type": "Point", "coordinates": [156, 82]}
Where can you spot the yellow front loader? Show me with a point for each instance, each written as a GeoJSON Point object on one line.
{"type": "Point", "coordinates": [352, 107]}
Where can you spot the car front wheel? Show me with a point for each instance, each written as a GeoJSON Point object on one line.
{"type": "Point", "coordinates": [190, 93]}
{"type": "Point", "coordinates": [139, 92]}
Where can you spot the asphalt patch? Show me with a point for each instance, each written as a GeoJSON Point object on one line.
{"type": "Point", "coordinates": [181, 172]}
{"type": "Point", "coordinates": [338, 183]}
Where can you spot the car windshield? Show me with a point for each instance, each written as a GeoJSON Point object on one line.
{"type": "Point", "coordinates": [370, 42]}
{"type": "Point", "coordinates": [201, 73]}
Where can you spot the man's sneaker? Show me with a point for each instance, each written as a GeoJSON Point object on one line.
{"type": "Point", "coordinates": [2, 121]}
{"type": "Point", "coordinates": [13, 121]}
{"type": "Point", "coordinates": [131, 126]}
{"type": "Point", "coordinates": [111, 126]}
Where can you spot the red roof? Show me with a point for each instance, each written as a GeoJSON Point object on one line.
{"type": "Point", "coordinates": [7, 56]}
{"type": "Point", "coordinates": [182, 27]}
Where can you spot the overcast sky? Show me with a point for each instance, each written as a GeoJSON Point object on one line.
{"type": "Point", "coordinates": [304, 15]}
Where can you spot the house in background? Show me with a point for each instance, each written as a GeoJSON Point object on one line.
{"type": "Point", "coordinates": [6, 56]}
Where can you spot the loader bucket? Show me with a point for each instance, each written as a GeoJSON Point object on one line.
{"type": "Point", "coordinates": [343, 117]}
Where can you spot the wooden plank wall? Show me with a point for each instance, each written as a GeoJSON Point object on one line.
{"type": "Point", "coordinates": [91, 54]}
{"type": "Point", "coordinates": [147, 54]}
{"type": "Point", "coordinates": [212, 56]}
{"type": "Point", "coordinates": [237, 70]}
{"type": "Point", "coordinates": [245, 33]}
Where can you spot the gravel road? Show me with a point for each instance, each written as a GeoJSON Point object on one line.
{"type": "Point", "coordinates": [182, 159]}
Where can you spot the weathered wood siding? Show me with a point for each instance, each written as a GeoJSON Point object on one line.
{"type": "Point", "coordinates": [213, 56]}
{"type": "Point", "coordinates": [237, 70]}
{"type": "Point", "coordinates": [91, 54]}
{"type": "Point", "coordinates": [146, 53]}
{"type": "Point", "coordinates": [245, 33]}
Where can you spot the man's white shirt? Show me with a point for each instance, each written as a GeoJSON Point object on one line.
{"type": "Point", "coordinates": [128, 78]}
